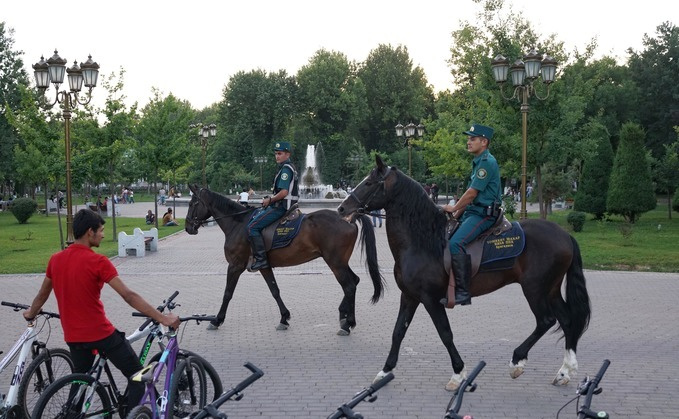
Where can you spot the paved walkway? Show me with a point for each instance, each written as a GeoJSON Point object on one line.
{"type": "Point", "coordinates": [309, 370]}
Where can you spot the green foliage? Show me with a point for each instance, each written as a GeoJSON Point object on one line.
{"type": "Point", "coordinates": [576, 220]}
{"type": "Point", "coordinates": [509, 205]}
{"type": "Point", "coordinates": [630, 192]}
{"type": "Point", "coordinates": [23, 209]}
{"type": "Point", "coordinates": [593, 186]}
{"type": "Point", "coordinates": [675, 203]}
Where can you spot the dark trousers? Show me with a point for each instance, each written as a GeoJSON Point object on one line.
{"type": "Point", "coordinates": [119, 352]}
{"type": "Point", "coordinates": [471, 225]}
{"type": "Point", "coordinates": [263, 218]}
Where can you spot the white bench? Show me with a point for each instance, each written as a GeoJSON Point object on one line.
{"type": "Point", "coordinates": [139, 242]}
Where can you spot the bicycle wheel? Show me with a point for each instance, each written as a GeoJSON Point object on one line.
{"type": "Point", "coordinates": [140, 412]}
{"type": "Point", "coordinates": [214, 382]}
{"type": "Point", "coordinates": [47, 367]}
{"type": "Point", "coordinates": [64, 398]}
{"type": "Point", "coordinates": [187, 388]}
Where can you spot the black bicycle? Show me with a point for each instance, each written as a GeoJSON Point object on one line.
{"type": "Point", "coordinates": [467, 384]}
{"type": "Point", "coordinates": [347, 409]}
{"type": "Point", "coordinates": [211, 410]}
{"type": "Point", "coordinates": [589, 387]}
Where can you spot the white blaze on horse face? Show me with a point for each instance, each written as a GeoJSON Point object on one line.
{"type": "Point", "coordinates": [568, 369]}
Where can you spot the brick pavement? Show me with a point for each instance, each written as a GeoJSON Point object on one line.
{"type": "Point", "coordinates": [309, 371]}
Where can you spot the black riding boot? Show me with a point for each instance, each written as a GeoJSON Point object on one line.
{"type": "Point", "coordinates": [462, 266]}
{"type": "Point", "coordinates": [259, 253]}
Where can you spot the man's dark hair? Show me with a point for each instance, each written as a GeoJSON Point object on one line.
{"type": "Point", "coordinates": [84, 220]}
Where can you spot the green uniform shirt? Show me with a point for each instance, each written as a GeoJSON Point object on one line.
{"type": "Point", "coordinates": [485, 178]}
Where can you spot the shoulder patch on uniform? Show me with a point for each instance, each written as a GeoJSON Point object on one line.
{"type": "Point", "coordinates": [481, 173]}
{"type": "Point", "coordinates": [284, 176]}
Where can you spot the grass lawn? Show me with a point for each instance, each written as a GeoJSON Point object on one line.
{"type": "Point", "coordinates": [26, 248]}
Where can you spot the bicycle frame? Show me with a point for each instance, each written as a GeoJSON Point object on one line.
{"type": "Point", "coordinates": [23, 348]}
{"type": "Point", "coordinates": [167, 360]}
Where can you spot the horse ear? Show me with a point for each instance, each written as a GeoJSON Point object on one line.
{"type": "Point", "coordinates": [379, 162]}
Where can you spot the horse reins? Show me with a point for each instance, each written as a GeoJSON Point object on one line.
{"type": "Point", "coordinates": [195, 223]}
{"type": "Point", "coordinates": [362, 208]}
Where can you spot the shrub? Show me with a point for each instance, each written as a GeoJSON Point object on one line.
{"type": "Point", "coordinates": [576, 220]}
{"type": "Point", "coordinates": [23, 209]}
{"type": "Point", "coordinates": [509, 205]}
{"type": "Point", "coordinates": [675, 202]}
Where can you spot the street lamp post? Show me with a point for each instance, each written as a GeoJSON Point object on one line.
{"type": "Point", "coordinates": [205, 132]}
{"type": "Point", "coordinates": [524, 74]}
{"type": "Point", "coordinates": [53, 70]}
{"type": "Point", "coordinates": [261, 160]}
{"type": "Point", "coordinates": [409, 131]}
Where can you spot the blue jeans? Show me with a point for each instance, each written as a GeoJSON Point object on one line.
{"type": "Point", "coordinates": [471, 226]}
{"type": "Point", "coordinates": [263, 218]}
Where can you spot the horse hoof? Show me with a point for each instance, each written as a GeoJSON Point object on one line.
{"type": "Point", "coordinates": [211, 326]}
{"type": "Point", "coordinates": [515, 370]}
{"type": "Point", "coordinates": [343, 332]}
{"type": "Point", "coordinates": [282, 326]}
{"type": "Point", "coordinates": [562, 378]}
{"type": "Point", "coordinates": [456, 380]}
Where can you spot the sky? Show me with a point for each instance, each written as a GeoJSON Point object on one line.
{"type": "Point", "coordinates": [192, 48]}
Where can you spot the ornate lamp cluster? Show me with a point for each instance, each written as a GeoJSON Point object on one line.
{"type": "Point", "coordinates": [205, 132]}
{"type": "Point", "coordinates": [53, 71]}
{"type": "Point", "coordinates": [409, 131]}
{"type": "Point", "coordinates": [524, 74]}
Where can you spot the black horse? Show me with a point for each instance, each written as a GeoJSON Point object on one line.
{"type": "Point", "coordinates": [415, 230]}
{"type": "Point", "coordinates": [322, 234]}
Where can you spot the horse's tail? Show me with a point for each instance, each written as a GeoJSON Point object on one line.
{"type": "Point", "coordinates": [369, 246]}
{"type": "Point", "coordinates": [577, 298]}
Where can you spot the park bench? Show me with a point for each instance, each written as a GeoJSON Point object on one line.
{"type": "Point", "coordinates": [138, 242]}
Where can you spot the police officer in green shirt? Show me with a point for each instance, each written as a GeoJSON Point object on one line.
{"type": "Point", "coordinates": [477, 209]}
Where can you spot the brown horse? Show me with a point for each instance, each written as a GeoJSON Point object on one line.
{"type": "Point", "coordinates": [416, 233]}
{"type": "Point", "coordinates": [322, 234]}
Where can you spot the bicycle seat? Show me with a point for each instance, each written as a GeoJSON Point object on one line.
{"type": "Point", "coordinates": [146, 374]}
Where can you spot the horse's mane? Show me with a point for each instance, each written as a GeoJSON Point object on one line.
{"type": "Point", "coordinates": [428, 223]}
{"type": "Point", "coordinates": [225, 204]}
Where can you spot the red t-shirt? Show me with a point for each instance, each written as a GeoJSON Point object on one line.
{"type": "Point", "coordinates": [78, 274]}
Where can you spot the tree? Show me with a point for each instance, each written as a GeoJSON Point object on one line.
{"type": "Point", "coordinates": [656, 71]}
{"type": "Point", "coordinates": [12, 77]}
{"type": "Point", "coordinates": [596, 172]}
{"type": "Point", "coordinates": [396, 90]}
{"type": "Point", "coordinates": [666, 173]}
{"type": "Point", "coordinates": [630, 192]}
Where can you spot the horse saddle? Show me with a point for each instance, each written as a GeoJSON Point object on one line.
{"type": "Point", "coordinates": [495, 249]}
{"type": "Point", "coordinates": [281, 233]}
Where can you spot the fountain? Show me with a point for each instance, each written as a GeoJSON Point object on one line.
{"type": "Point", "coordinates": [310, 186]}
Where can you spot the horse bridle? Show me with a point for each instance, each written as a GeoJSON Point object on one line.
{"type": "Point", "coordinates": [363, 208]}
{"type": "Point", "coordinates": [196, 224]}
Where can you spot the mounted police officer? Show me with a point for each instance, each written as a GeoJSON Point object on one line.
{"type": "Point", "coordinates": [477, 209]}
{"type": "Point", "coordinates": [273, 208]}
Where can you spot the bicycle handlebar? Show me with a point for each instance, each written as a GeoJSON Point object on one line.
{"type": "Point", "coordinates": [160, 308]}
{"type": "Point", "coordinates": [18, 307]}
{"type": "Point", "coordinates": [590, 388]}
{"type": "Point", "coordinates": [345, 411]}
{"type": "Point", "coordinates": [210, 410]}
{"type": "Point", "coordinates": [452, 413]}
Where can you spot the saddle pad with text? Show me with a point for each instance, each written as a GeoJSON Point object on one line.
{"type": "Point", "coordinates": [507, 245]}
{"type": "Point", "coordinates": [285, 231]}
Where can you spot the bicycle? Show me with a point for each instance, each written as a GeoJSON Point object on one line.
{"type": "Point", "coordinates": [185, 384]}
{"type": "Point", "coordinates": [102, 397]}
{"type": "Point", "coordinates": [46, 365]}
{"type": "Point", "coordinates": [589, 387]}
{"type": "Point", "coordinates": [210, 410]}
{"type": "Point", "coordinates": [346, 410]}
{"type": "Point", "coordinates": [453, 413]}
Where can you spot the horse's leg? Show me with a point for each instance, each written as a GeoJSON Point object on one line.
{"type": "Point", "coordinates": [347, 308]}
{"type": "Point", "coordinates": [437, 312]}
{"type": "Point", "coordinates": [544, 320]}
{"type": "Point", "coordinates": [276, 294]}
{"type": "Point", "coordinates": [406, 312]}
{"type": "Point", "coordinates": [232, 275]}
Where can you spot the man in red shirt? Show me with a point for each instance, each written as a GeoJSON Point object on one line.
{"type": "Point", "coordinates": [77, 275]}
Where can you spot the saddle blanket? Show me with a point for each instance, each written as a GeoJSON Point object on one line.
{"type": "Point", "coordinates": [503, 247]}
{"type": "Point", "coordinates": [285, 231]}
